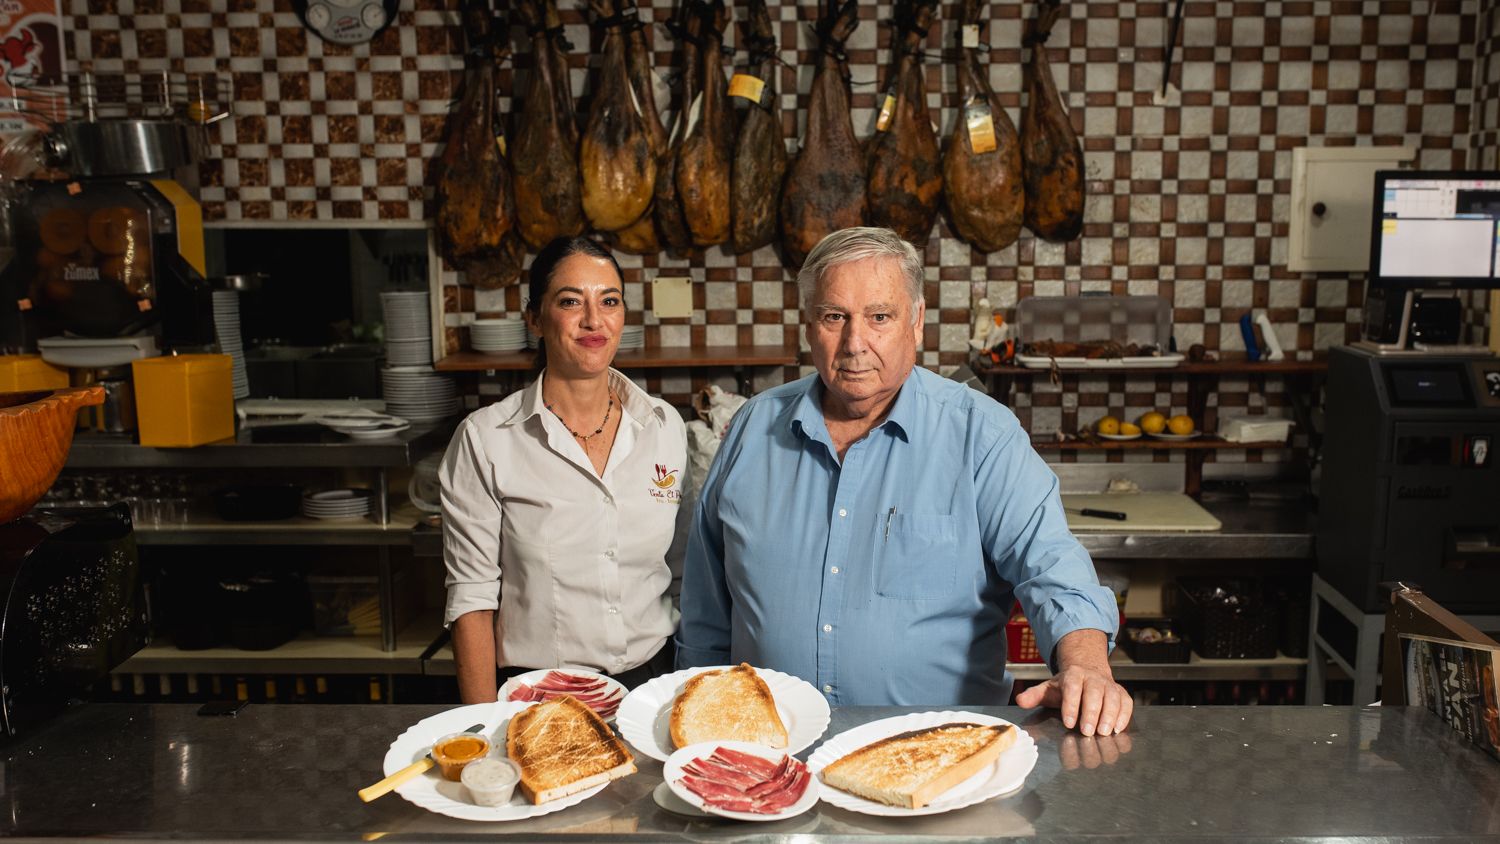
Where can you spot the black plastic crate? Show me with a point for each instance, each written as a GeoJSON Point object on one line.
{"type": "Point", "coordinates": [1226, 618]}
{"type": "Point", "coordinates": [1159, 652]}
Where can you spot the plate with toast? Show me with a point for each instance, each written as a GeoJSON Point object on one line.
{"type": "Point", "coordinates": [723, 703]}
{"type": "Point", "coordinates": [562, 749]}
{"type": "Point", "coordinates": [741, 781]}
{"type": "Point", "coordinates": [925, 763]}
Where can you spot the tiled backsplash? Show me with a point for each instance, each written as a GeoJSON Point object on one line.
{"type": "Point", "coordinates": [1188, 200]}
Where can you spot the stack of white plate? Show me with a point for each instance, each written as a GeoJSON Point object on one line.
{"type": "Point", "coordinates": [497, 335]}
{"type": "Point", "coordinates": [419, 394]}
{"type": "Point", "coordinates": [633, 337]}
{"type": "Point", "coordinates": [408, 328]}
{"type": "Point", "coordinates": [336, 504]}
{"type": "Point", "coordinates": [227, 331]}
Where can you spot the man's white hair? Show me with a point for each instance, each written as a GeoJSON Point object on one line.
{"type": "Point", "coordinates": [859, 243]}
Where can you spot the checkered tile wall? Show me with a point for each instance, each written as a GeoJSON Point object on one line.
{"type": "Point", "coordinates": [1188, 197]}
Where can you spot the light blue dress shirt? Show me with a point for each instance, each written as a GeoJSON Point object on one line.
{"type": "Point", "coordinates": [886, 580]}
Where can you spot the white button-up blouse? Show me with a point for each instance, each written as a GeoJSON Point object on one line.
{"type": "Point", "coordinates": [582, 568]}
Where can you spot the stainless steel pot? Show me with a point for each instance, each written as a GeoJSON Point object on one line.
{"type": "Point", "coordinates": [124, 147]}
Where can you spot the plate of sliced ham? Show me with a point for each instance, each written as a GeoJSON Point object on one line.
{"type": "Point", "coordinates": [596, 691]}
{"type": "Point", "coordinates": [740, 780]}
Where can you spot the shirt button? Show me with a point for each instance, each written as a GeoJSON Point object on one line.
{"type": "Point", "coordinates": [610, 553]}
{"type": "Point", "coordinates": [614, 610]}
{"type": "Point", "coordinates": [828, 628]}
{"type": "Point", "coordinates": [828, 688]}
{"type": "Point", "coordinates": [843, 513]}
{"type": "Point", "coordinates": [835, 569]}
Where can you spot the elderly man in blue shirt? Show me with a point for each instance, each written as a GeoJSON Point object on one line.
{"type": "Point", "coordinates": [868, 528]}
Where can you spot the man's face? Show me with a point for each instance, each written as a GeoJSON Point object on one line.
{"type": "Point", "coordinates": [860, 327]}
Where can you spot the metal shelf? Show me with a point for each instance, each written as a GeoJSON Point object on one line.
{"type": "Point", "coordinates": [208, 530]}
{"type": "Point", "coordinates": [307, 654]}
{"type": "Point", "coordinates": [258, 448]}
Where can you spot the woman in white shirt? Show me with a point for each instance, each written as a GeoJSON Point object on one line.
{"type": "Point", "coordinates": [561, 503]}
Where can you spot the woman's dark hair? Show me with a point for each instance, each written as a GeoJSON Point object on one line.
{"type": "Point", "coordinates": [544, 266]}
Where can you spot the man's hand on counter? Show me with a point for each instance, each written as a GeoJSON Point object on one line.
{"type": "Point", "coordinates": [1083, 689]}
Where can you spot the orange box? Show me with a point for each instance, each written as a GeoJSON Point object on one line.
{"type": "Point", "coordinates": [184, 400]}
{"type": "Point", "coordinates": [20, 373]}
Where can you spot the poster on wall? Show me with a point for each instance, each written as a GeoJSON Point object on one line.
{"type": "Point", "coordinates": [31, 65]}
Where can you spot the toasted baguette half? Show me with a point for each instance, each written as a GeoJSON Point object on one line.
{"type": "Point", "coordinates": [912, 769]}
{"type": "Point", "coordinates": [563, 747]}
{"type": "Point", "coordinates": [730, 705]}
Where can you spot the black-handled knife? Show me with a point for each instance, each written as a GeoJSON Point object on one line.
{"type": "Point", "coordinates": [1098, 514]}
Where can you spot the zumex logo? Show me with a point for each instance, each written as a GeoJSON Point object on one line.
{"type": "Point", "coordinates": [665, 480]}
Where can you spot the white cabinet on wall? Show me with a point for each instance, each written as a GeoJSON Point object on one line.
{"type": "Point", "coordinates": [1332, 189]}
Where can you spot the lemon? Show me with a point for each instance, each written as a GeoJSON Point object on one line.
{"type": "Point", "coordinates": [1153, 423]}
{"type": "Point", "coordinates": [1108, 425]}
{"type": "Point", "coordinates": [1129, 429]}
{"type": "Point", "coordinates": [1181, 424]}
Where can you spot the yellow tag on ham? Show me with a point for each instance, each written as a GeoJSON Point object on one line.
{"type": "Point", "coordinates": [746, 87]}
{"type": "Point", "coordinates": [887, 113]}
{"type": "Point", "coordinates": [981, 123]}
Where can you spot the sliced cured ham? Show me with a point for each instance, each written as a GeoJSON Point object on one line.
{"type": "Point", "coordinates": [759, 151]}
{"type": "Point", "coordinates": [906, 176]}
{"type": "Point", "coordinates": [742, 782]}
{"type": "Point", "coordinates": [825, 185]}
{"type": "Point", "coordinates": [544, 149]}
{"type": "Point", "coordinates": [704, 161]}
{"type": "Point", "coordinates": [1051, 155]}
{"type": "Point", "coordinates": [982, 183]}
{"type": "Point", "coordinates": [593, 692]}
{"type": "Point", "coordinates": [615, 158]}
{"type": "Point", "coordinates": [476, 212]}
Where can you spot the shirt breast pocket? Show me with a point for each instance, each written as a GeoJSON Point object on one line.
{"type": "Point", "coordinates": [918, 560]}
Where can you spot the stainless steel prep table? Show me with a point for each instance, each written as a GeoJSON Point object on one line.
{"type": "Point", "coordinates": [291, 772]}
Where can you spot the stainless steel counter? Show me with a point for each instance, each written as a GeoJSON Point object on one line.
{"type": "Point", "coordinates": [261, 448]}
{"type": "Point", "coordinates": [1264, 773]}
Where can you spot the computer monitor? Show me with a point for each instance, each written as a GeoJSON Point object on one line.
{"type": "Point", "coordinates": [1436, 229]}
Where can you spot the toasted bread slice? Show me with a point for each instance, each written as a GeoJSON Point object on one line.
{"type": "Point", "coordinates": [563, 747]}
{"type": "Point", "coordinates": [912, 769]}
{"type": "Point", "coordinates": [730, 705]}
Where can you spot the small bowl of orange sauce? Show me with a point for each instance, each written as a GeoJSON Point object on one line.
{"type": "Point", "coordinates": [453, 752]}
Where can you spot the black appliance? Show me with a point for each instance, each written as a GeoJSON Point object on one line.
{"type": "Point", "coordinates": [74, 608]}
{"type": "Point", "coordinates": [1411, 478]}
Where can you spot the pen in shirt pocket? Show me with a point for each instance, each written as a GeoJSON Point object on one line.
{"type": "Point", "coordinates": [888, 516]}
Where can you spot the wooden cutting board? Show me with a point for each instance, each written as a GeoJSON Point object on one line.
{"type": "Point", "coordinates": [1144, 511]}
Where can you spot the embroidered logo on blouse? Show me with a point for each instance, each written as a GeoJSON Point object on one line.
{"type": "Point", "coordinates": [665, 479]}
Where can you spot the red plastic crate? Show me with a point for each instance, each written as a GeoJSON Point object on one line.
{"type": "Point", "coordinates": [1020, 642]}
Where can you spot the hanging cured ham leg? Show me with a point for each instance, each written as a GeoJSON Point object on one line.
{"type": "Point", "coordinates": [475, 207]}
{"type": "Point", "coordinates": [759, 152]}
{"type": "Point", "coordinates": [640, 237]}
{"type": "Point", "coordinates": [615, 157]}
{"type": "Point", "coordinates": [544, 149]}
{"type": "Point", "coordinates": [671, 223]}
{"type": "Point", "coordinates": [982, 165]}
{"type": "Point", "coordinates": [825, 185]}
{"type": "Point", "coordinates": [703, 164]}
{"type": "Point", "coordinates": [1051, 154]}
{"type": "Point", "coordinates": [906, 178]}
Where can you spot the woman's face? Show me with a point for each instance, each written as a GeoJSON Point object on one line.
{"type": "Point", "coordinates": [580, 316]}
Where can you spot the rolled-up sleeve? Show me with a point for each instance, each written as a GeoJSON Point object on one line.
{"type": "Point", "coordinates": [471, 527]}
{"type": "Point", "coordinates": [1026, 536]}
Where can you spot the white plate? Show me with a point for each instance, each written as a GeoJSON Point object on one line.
{"type": "Point", "coordinates": [531, 678]}
{"type": "Point", "coordinates": [1120, 437]}
{"type": "Point", "coordinates": [672, 772]}
{"type": "Point", "coordinates": [376, 433]}
{"type": "Point", "coordinates": [1177, 438]}
{"type": "Point", "coordinates": [645, 717]}
{"type": "Point", "coordinates": [1007, 773]}
{"type": "Point", "coordinates": [435, 794]}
